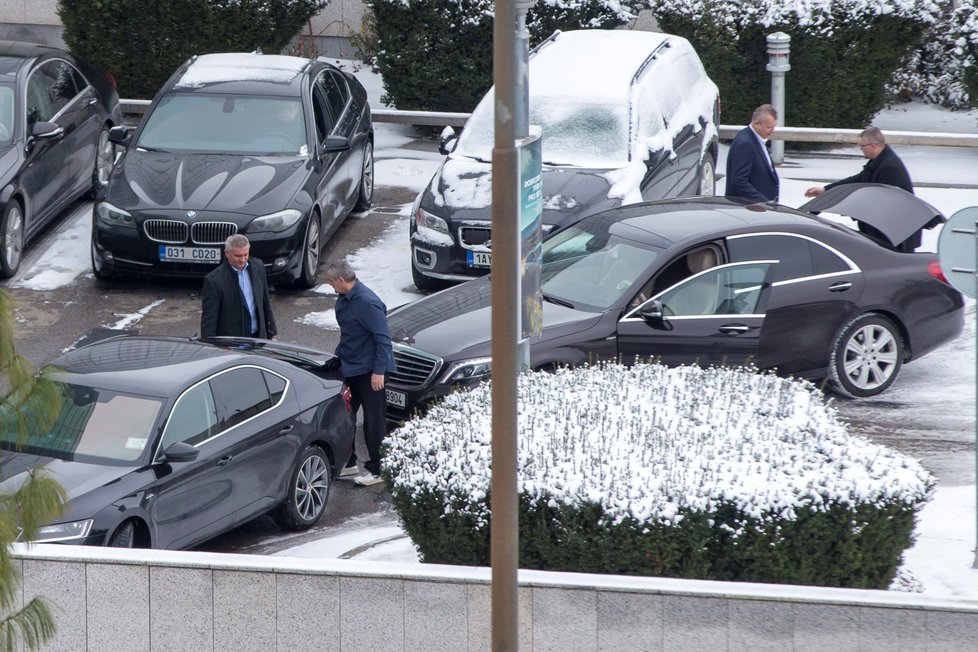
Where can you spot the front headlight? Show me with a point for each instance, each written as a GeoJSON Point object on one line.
{"type": "Point", "coordinates": [468, 371]}
{"type": "Point", "coordinates": [64, 531]}
{"type": "Point", "coordinates": [424, 219]}
{"type": "Point", "coordinates": [112, 216]}
{"type": "Point", "coordinates": [276, 221]}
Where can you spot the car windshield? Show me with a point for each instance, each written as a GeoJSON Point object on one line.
{"type": "Point", "coordinates": [94, 425]}
{"type": "Point", "coordinates": [587, 266]}
{"type": "Point", "coordinates": [6, 114]}
{"type": "Point", "coordinates": [575, 132]}
{"type": "Point", "coordinates": [226, 124]}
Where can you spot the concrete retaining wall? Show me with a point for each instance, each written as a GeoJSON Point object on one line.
{"type": "Point", "coordinates": [131, 600]}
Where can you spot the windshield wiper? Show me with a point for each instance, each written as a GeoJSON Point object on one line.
{"type": "Point", "coordinates": [152, 149]}
{"type": "Point", "coordinates": [559, 302]}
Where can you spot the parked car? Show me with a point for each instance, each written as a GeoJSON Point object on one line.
{"type": "Point", "coordinates": [55, 115]}
{"type": "Point", "coordinates": [703, 281]}
{"type": "Point", "coordinates": [625, 116]}
{"type": "Point", "coordinates": [278, 148]}
{"type": "Point", "coordinates": [166, 442]}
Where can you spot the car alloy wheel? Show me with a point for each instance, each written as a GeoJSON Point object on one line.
{"type": "Point", "coordinates": [365, 196]}
{"type": "Point", "coordinates": [866, 357]}
{"type": "Point", "coordinates": [310, 254]}
{"type": "Point", "coordinates": [308, 491]}
{"type": "Point", "coordinates": [708, 182]}
{"type": "Point", "coordinates": [13, 240]}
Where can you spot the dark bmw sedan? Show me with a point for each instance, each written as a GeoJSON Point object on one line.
{"type": "Point", "coordinates": [167, 442]}
{"type": "Point", "coordinates": [55, 115]}
{"type": "Point", "coordinates": [698, 281]}
{"type": "Point", "coordinates": [278, 148]}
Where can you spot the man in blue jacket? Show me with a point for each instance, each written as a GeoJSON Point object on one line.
{"type": "Point", "coordinates": [750, 171]}
{"type": "Point", "coordinates": [366, 355]}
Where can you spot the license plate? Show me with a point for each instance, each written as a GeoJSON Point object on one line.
{"type": "Point", "coordinates": [478, 259]}
{"type": "Point", "coordinates": [396, 398]}
{"type": "Point", "coordinates": [190, 254]}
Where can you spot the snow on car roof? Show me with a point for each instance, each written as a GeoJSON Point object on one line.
{"type": "Point", "coordinates": [215, 68]}
{"type": "Point", "coordinates": [603, 61]}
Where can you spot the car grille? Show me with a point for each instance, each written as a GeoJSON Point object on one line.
{"type": "Point", "coordinates": [166, 231]}
{"type": "Point", "coordinates": [414, 368]}
{"type": "Point", "coordinates": [212, 233]}
{"type": "Point", "coordinates": [474, 235]}
{"type": "Point", "coordinates": [176, 231]}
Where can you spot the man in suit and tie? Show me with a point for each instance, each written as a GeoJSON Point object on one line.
{"type": "Point", "coordinates": [235, 296]}
{"type": "Point", "coordinates": [750, 171]}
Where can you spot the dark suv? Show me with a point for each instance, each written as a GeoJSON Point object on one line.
{"type": "Point", "coordinates": [625, 116]}
{"type": "Point", "coordinates": [277, 148]}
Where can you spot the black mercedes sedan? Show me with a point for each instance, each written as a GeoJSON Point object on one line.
{"type": "Point", "coordinates": [275, 147]}
{"type": "Point", "coordinates": [700, 281]}
{"type": "Point", "coordinates": [166, 442]}
{"type": "Point", "coordinates": [55, 115]}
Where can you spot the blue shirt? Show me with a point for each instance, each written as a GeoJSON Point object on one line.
{"type": "Point", "coordinates": [244, 281]}
{"type": "Point", "coordinates": [365, 340]}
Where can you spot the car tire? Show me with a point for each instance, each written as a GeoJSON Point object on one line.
{"type": "Point", "coordinates": [425, 283]}
{"type": "Point", "coordinates": [311, 248]}
{"type": "Point", "coordinates": [708, 177]}
{"type": "Point", "coordinates": [11, 239]}
{"type": "Point", "coordinates": [365, 191]}
{"type": "Point", "coordinates": [866, 357]}
{"type": "Point", "coordinates": [103, 162]}
{"type": "Point", "coordinates": [124, 536]}
{"type": "Point", "coordinates": [308, 492]}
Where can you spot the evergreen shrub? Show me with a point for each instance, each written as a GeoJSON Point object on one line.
{"type": "Point", "coordinates": [842, 52]}
{"type": "Point", "coordinates": [437, 56]}
{"type": "Point", "coordinates": [722, 474]}
{"type": "Point", "coordinates": [142, 43]}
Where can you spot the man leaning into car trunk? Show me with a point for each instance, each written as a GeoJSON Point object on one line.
{"type": "Point", "coordinates": [366, 355]}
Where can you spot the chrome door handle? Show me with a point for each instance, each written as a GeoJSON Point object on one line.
{"type": "Point", "coordinates": [841, 286]}
{"type": "Point", "coordinates": [734, 328]}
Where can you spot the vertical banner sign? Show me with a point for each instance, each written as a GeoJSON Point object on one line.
{"type": "Point", "coordinates": [531, 233]}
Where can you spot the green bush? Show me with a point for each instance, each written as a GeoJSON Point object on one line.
{"type": "Point", "coordinates": [142, 43]}
{"type": "Point", "coordinates": [965, 30]}
{"type": "Point", "coordinates": [437, 56]}
{"type": "Point", "coordinates": [842, 53]}
{"type": "Point", "coordinates": [719, 474]}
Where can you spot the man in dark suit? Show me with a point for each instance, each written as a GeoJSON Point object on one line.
{"type": "Point", "coordinates": [750, 171]}
{"type": "Point", "coordinates": [884, 166]}
{"type": "Point", "coordinates": [235, 296]}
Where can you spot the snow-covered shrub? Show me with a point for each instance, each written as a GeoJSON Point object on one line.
{"type": "Point", "coordinates": [842, 52]}
{"type": "Point", "coordinates": [935, 71]}
{"type": "Point", "coordinates": [141, 44]}
{"type": "Point", "coordinates": [437, 55]}
{"type": "Point", "coordinates": [716, 474]}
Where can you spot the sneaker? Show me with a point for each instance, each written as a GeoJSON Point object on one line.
{"type": "Point", "coordinates": [349, 471]}
{"type": "Point", "coordinates": [366, 479]}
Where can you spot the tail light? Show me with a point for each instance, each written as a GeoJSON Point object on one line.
{"type": "Point", "coordinates": [934, 269]}
{"type": "Point", "coordinates": [111, 80]}
{"type": "Point", "coordinates": [347, 398]}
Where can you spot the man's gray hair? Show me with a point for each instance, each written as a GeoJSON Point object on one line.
{"type": "Point", "coordinates": [236, 241]}
{"type": "Point", "coordinates": [341, 270]}
{"type": "Point", "coordinates": [873, 135]}
{"type": "Point", "coordinates": [764, 110]}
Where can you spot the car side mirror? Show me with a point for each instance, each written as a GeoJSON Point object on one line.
{"type": "Point", "coordinates": [180, 451]}
{"type": "Point", "coordinates": [651, 312]}
{"type": "Point", "coordinates": [120, 135]}
{"type": "Point", "coordinates": [47, 130]}
{"type": "Point", "coordinates": [447, 141]}
{"type": "Point", "coordinates": [334, 144]}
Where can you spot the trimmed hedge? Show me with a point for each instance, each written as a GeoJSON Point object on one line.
{"type": "Point", "coordinates": [721, 474]}
{"type": "Point", "coordinates": [842, 52]}
{"type": "Point", "coordinates": [142, 43]}
{"type": "Point", "coordinates": [437, 56]}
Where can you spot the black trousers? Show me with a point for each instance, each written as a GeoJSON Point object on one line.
{"type": "Point", "coordinates": [374, 406]}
